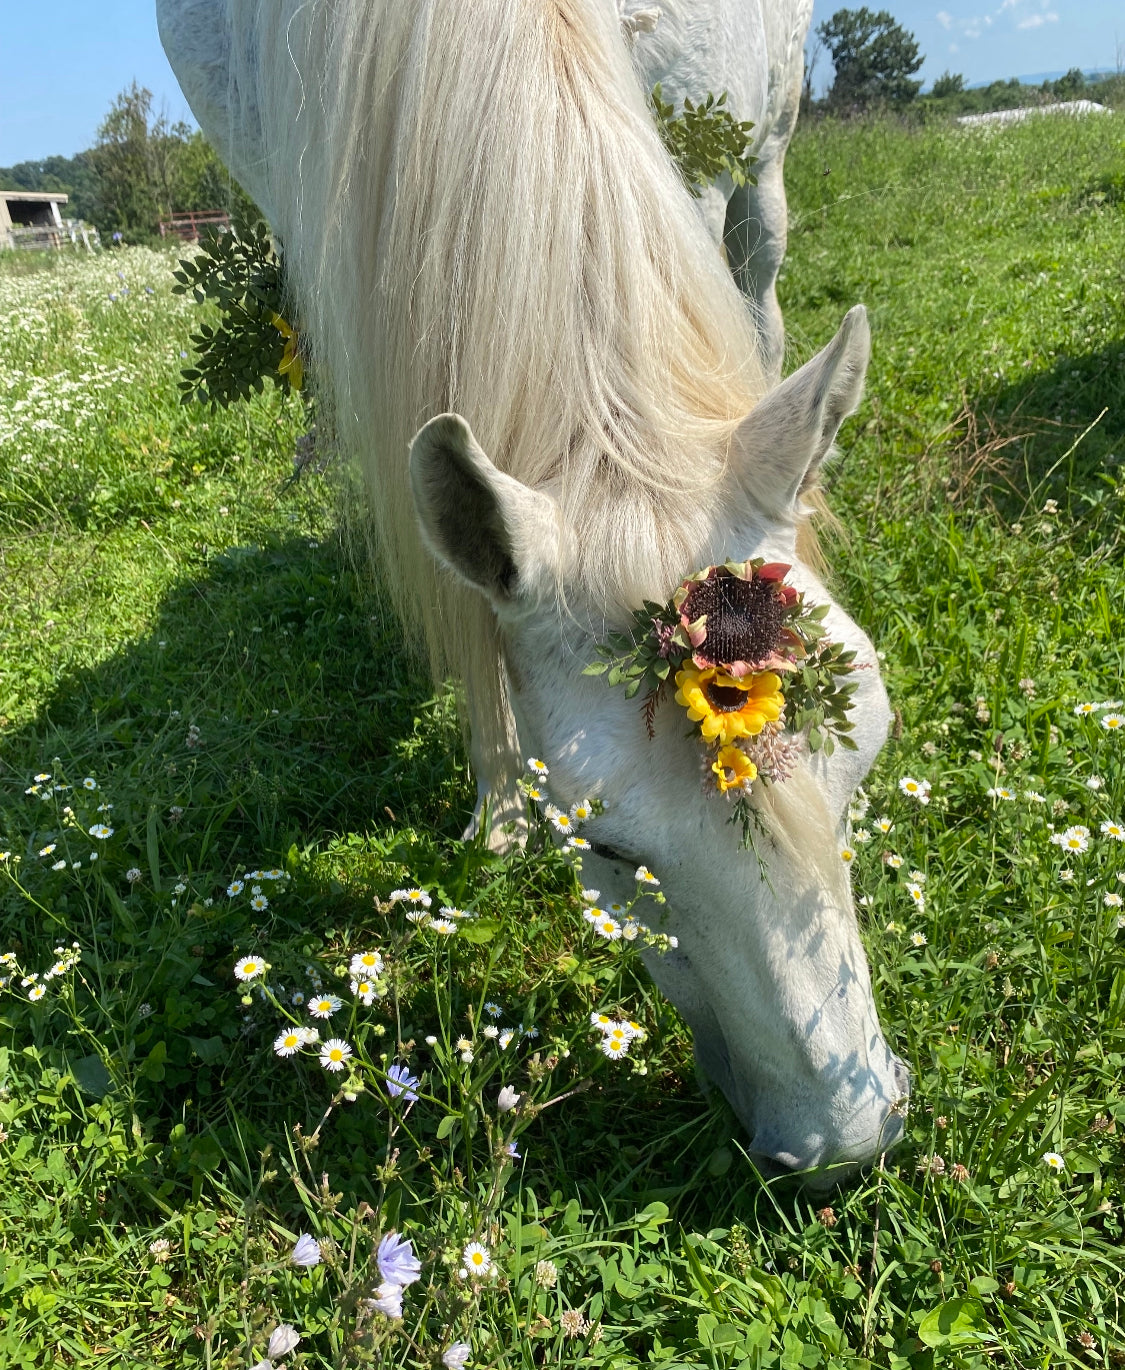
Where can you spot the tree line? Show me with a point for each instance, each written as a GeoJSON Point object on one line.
{"type": "Point", "coordinates": [875, 60]}
{"type": "Point", "coordinates": [142, 168]}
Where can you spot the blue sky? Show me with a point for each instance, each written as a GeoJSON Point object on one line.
{"type": "Point", "coordinates": [65, 60]}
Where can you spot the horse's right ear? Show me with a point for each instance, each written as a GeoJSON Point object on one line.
{"type": "Point", "coordinates": [500, 536]}
{"type": "Point", "coordinates": [782, 442]}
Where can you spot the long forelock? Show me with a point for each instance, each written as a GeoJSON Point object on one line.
{"type": "Point", "coordinates": [480, 218]}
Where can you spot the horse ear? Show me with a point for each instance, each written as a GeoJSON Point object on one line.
{"type": "Point", "coordinates": [500, 536]}
{"type": "Point", "coordinates": [783, 440]}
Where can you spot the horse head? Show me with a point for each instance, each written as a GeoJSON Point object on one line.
{"type": "Point", "coordinates": [769, 970]}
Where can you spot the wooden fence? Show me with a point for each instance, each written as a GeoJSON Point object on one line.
{"type": "Point", "coordinates": [187, 224]}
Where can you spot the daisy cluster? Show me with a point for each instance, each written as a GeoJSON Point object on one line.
{"type": "Point", "coordinates": [363, 975]}
{"type": "Point", "coordinates": [251, 880]}
{"type": "Point", "coordinates": [913, 885]}
{"type": "Point", "coordinates": [617, 1034]}
{"type": "Point", "coordinates": [32, 982]}
{"type": "Point", "coordinates": [566, 822]}
{"type": "Point", "coordinates": [37, 411]}
{"type": "Point", "coordinates": [95, 821]}
{"type": "Point", "coordinates": [418, 904]}
{"type": "Point", "coordinates": [617, 923]}
{"type": "Point", "coordinates": [1111, 719]}
{"type": "Point", "coordinates": [467, 1047]}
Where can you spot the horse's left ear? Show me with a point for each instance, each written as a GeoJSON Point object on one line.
{"type": "Point", "coordinates": [783, 440]}
{"type": "Point", "coordinates": [497, 534]}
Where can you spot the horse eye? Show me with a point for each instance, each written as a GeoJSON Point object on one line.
{"type": "Point", "coordinates": [608, 853]}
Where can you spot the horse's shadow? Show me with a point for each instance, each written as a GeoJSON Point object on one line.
{"type": "Point", "coordinates": [272, 693]}
{"type": "Point", "coordinates": [1051, 434]}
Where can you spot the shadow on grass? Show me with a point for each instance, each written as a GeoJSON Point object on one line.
{"type": "Point", "coordinates": [1051, 434]}
{"type": "Point", "coordinates": [270, 708]}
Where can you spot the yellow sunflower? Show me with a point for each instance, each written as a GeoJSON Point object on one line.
{"type": "Point", "coordinates": [726, 708]}
{"type": "Point", "coordinates": [734, 769]}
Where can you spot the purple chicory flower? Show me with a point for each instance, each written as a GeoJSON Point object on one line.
{"type": "Point", "coordinates": [388, 1299]}
{"type": "Point", "coordinates": [282, 1340]}
{"type": "Point", "coordinates": [397, 1262]}
{"type": "Point", "coordinates": [400, 1081]}
{"type": "Point", "coordinates": [307, 1251]}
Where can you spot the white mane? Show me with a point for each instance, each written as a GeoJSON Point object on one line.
{"type": "Point", "coordinates": [478, 215]}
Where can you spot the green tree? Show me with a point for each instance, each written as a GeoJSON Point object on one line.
{"type": "Point", "coordinates": [948, 84]}
{"type": "Point", "coordinates": [874, 57]}
{"type": "Point", "coordinates": [1070, 85]}
{"type": "Point", "coordinates": [130, 160]}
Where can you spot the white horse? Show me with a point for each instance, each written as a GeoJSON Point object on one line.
{"type": "Point", "coordinates": [488, 241]}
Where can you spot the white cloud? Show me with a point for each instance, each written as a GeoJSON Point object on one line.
{"type": "Point", "coordinates": [944, 18]}
{"type": "Point", "coordinates": [954, 48]}
{"type": "Point", "coordinates": [1034, 21]}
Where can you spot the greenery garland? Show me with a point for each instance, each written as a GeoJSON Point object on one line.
{"type": "Point", "coordinates": [241, 270]}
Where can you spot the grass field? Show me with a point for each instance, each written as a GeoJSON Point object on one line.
{"type": "Point", "coordinates": [219, 705]}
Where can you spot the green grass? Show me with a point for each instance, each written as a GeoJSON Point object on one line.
{"type": "Point", "coordinates": [158, 570]}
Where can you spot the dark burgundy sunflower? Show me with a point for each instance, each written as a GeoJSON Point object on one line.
{"type": "Point", "coordinates": [737, 618]}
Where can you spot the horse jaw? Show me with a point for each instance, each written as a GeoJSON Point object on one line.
{"type": "Point", "coordinates": [769, 973]}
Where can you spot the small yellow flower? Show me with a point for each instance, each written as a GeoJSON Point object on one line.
{"type": "Point", "coordinates": [290, 364]}
{"type": "Point", "coordinates": [726, 708]}
{"type": "Point", "coordinates": [734, 769]}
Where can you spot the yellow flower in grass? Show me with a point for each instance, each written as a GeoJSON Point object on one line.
{"type": "Point", "coordinates": [726, 708]}
{"type": "Point", "coordinates": [290, 364]}
{"type": "Point", "coordinates": [734, 769]}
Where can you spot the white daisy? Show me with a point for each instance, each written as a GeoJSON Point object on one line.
{"type": "Point", "coordinates": [366, 963]}
{"type": "Point", "coordinates": [847, 855]}
{"type": "Point", "coordinates": [609, 928]}
{"type": "Point", "coordinates": [1083, 709]}
{"type": "Point", "coordinates": [1114, 830]}
{"type": "Point", "coordinates": [89, 783]}
{"type": "Point", "coordinates": [259, 902]}
{"type": "Point", "coordinates": [36, 993]}
{"type": "Point", "coordinates": [249, 968]}
{"type": "Point", "coordinates": [1053, 1161]}
{"type": "Point", "coordinates": [884, 825]}
{"type": "Point", "coordinates": [475, 1257]}
{"type": "Point", "coordinates": [615, 1046]}
{"type": "Point", "coordinates": [364, 990]}
{"type": "Point", "coordinates": [1112, 900]}
{"type": "Point", "coordinates": [492, 1009]}
{"type": "Point", "coordinates": [915, 789]}
{"type": "Point", "coordinates": [537, 767]}
{"type": "Point", "coordinates": [1112, 722]}
{"type": "Point", "coordinates": [288, 1042]}
{"type": "Point", "coordinates": [918, 939]}
{"type": "Point", "coordinates": [445, 925]}
{"type": "Point", "coordinates": [101, 831]}
{"type": "Point", "coordinates": [645, 877]}
{"type": "Point", "coordinates": [325, 1005]}
{"type": "Point", "coordinates": [334, 1054]}
{"type": "Point", "coordinates": [235, 887]}
{"type": "Point", "coordinates": [563, 822]}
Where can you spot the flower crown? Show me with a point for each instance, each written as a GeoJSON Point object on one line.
{"type": "Point", "coordinates": [752, 666]}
